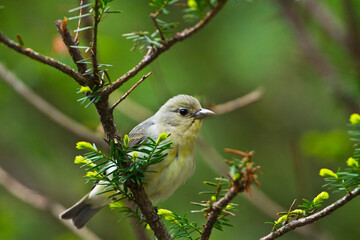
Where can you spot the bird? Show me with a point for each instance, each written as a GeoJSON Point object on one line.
{"type": "Point", "coordinates": [181, 117]}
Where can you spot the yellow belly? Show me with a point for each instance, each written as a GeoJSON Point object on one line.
{"type": "Point", "coordinates": [170, 174]}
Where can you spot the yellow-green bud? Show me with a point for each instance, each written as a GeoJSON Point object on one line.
{"type": "Point", "coordinates": [351, 162]}
{"type": "Point", "coordinates": [126, 140]}
{"type": "Point", "coordinates": [80, 160]}
{"type": "Point", "coordinates": [355, 118]}
{"type": "Point", "coordinates": [161, 138]}
{"type": "Point", "coordinates": [297, 211]}
{"type": "Point", "coordinates": [213, 198]}
{"type": "Point", "coordinates": [192, 4]}
{"type": "Point", "coordinates": [228, 207]}
{"type": "Point", "coordinates": [92, 174]}
{"type": "Point", "coordinates": [134, 156]}
{"type": "Point", "coordinates": [163, 212]}
{"type": "Point", "coordinates": [281, 219]}
{"type": "Point", "coordinates": [85, 89]}
{"type": "Point", "coordinates": [236, 176]}
{"type": "Point", "coordinates": [321, 197]}
{"type": "Point", "coordinates": [324, 172]}
{"type": "Point", "coordinates": [116, 204]}
{"type": "Point", "coordinates": [84, 145]}
{"type": "Point", "coordinates": [168, 215]}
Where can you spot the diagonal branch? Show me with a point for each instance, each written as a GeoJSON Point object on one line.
{"type": "Point", "coordinates": [152, 54]}
{"type": "Point", "coordinates": [43, 59]}
{"type": "Point", "coordinates": [40, 202]}
{"type": "Point", "coordinates": [314, 217]}
{"type": "Point", "coordinates": [69, 43]}
{"type": "Point", "coordinates": [130, 90]}
{"type": "Point", "coordinates": [217, 209]}
{"type": "Point", "coordinates": [239, 102]}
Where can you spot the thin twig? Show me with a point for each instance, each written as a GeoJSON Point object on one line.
{"type": "Point", "coordinates": [47, 109]}
{"type": "Point", "coordinates": [44, 59]}
{"type": "Point", "coordinates": [79, 22]}
{"type": "Point", "coordinates": [152, 54]}
{"type": "Point", "coordinates": [314, 217]}
{"type": "Point", "coordinates": [258, 198]}
{"type": "Point", "coordinates": [153, 17]}
{"type": "Point", "coordinates": [240, 102]}
{"type": "Point", "coordinates": [94, 43]}
{"type": "Point", "coordinates": [130, 90]}
{"type": "Point", "coordinates": [248, 177]}
{"type": "Point", "coordinates": [69, 42]}
{"type": "Point", "coordinates": [217, 209]}
{"type": "Point", "coordinates": [41, 202]}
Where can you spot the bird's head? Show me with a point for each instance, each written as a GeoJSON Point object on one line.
{"type": "Point", "coordinates": [182, 116]}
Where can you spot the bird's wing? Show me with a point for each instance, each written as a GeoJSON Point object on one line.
{"type": "Point", "coordinates": [140, 133]}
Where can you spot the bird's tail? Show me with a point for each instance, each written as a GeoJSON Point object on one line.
{"type": "Point", "coordinates": [81, 212]}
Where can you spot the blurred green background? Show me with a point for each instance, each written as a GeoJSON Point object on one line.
{"type": "Point", "coordinates": [298, 127]}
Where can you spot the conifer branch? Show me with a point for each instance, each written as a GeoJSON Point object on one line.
{"type": "Point", "coordinates": [314, 217]}
{"type": "Point", "coordinates": [153, 53]}
{"type": "Point", "coordinates": [217, 209]}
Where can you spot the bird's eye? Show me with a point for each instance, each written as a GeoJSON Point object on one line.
{"type": "Point", "coordinates": [183, 111]}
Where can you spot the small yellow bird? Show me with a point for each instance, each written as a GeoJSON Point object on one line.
{"type": "Point", "coordinates": [181, 116]}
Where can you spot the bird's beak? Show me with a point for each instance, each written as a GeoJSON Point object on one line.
{"type": "Point", "coordinates": [203, 113]}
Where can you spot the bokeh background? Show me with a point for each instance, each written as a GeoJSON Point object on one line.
{"type": "Point", "coordinates": [298, 127]}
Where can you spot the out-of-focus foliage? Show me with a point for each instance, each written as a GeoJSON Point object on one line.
{"type": "Point", "coordinates": [333, 145]}
{"type": "Point", "coordinates": [248, 44]}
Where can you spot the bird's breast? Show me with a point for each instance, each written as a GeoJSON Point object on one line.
{"type": "Point", "coordinates": [172, 172]}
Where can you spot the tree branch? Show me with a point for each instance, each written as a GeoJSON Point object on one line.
{"type": "Point", "coordinates": [41, 202]}
{"type": "Point", "coordinates": [153, 17]}
{"type": "Point", "coordinates": [247, 178]}
{"type": "Point", "coordinates": [69, 43]}
{"type": "Point", "coordinates": [239, 102]}
{"type": "Point", "coordinates": [130, 90]}
{"type": "Point", "coordinates": [314, 217]}
{"type": "Point", "coordinates": [152, 54]}
{"type": "Point", "coordinates": [94, 43]}
{"type": "Point", "coordinates": [79, 78]}
{"type": "Point", "coordinates": [217, 209]}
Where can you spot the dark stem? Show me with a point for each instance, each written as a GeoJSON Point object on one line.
{"type": "Point", "coordinates": [94, 43]}
{"type": "Point", "coordinates": [314, 217]}
{"type": "Point", "coordinates": [70, 42]}
{"type": "Point", "coordinates": [217, 209]}
{"type": "Point", "coordinates": [153, 17]}
{"type": "Point", "coordinates": [130, 90]}
{"type": "Point", "coordinates": [152, 54]}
